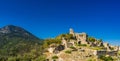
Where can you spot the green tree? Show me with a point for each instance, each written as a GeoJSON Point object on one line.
{"type": "Point", "coordinates": [91, 39]}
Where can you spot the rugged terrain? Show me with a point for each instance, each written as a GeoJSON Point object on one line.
{"type": "Point", "coordinates": [79, 47]}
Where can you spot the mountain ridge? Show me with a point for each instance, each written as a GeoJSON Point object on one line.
{"type": "Point", "coordinates": [16, 30]}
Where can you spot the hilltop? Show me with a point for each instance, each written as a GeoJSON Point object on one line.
{"type": "Point", "coordinates": [79, 47]}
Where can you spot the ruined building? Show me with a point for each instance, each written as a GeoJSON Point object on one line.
{"type": "Point", "coordinates": [82, 39]}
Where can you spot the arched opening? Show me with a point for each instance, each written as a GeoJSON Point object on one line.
{"type": "Point", "coordinates": [79, 42]}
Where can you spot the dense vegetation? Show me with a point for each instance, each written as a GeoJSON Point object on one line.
{"type": "Point", "coordinates": [104, 58]}
{"type": "Point", "coordinates": [16, 44]}
{"type": "Point", "coordinates": [20, 50]}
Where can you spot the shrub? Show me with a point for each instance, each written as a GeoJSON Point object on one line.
{"type": "Point", "coordinates": [97, 48]}
{"type": "Point", "coordinates": [91, 39]}
{"type": "Point", "coordinates": [106, 58]}
{"type": "Point", "coordinates": [91, 59]}
{"type": "Point", "coordinates": [72, 47]}
{"type": "Point", "coordinates": [68, 51]}
{"type": "Point", "coordinates": [82, 45]}
{"type": "Point", "coordinates": [55, 57]}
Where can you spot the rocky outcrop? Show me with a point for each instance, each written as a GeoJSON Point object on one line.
{"type": "Point", "coordinates": [59, 48]}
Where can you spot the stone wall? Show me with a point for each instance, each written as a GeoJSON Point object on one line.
{"type": "Point", "coordinates": [104, 53]}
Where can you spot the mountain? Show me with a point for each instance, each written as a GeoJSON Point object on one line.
{"type": "Point", "coordinates": [15, 41]}
{"type": "Point", "coordinates": [12, 32]}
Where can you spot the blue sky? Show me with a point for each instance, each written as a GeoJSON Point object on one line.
{"type": "Point", "coordinates": [49, 18]}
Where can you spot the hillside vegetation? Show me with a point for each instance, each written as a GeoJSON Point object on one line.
{"type": "Point", "coordinates": [17, 44]}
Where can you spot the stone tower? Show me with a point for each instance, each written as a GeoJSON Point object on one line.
{"type": "Point", "coordinates": [82, 38]}
{"type": "Point", "coordinates": [72, 31]}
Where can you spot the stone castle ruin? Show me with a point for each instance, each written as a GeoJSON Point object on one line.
{"type": "Point", "coordinates": [79, 38]}
{"type": "Point", "coordinates": [82, 39]}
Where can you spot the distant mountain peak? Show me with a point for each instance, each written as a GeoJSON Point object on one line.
{"type": "Point", "coordinates": [10, 28]}
{"type": "Point", "coordinates": [14, 31]}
